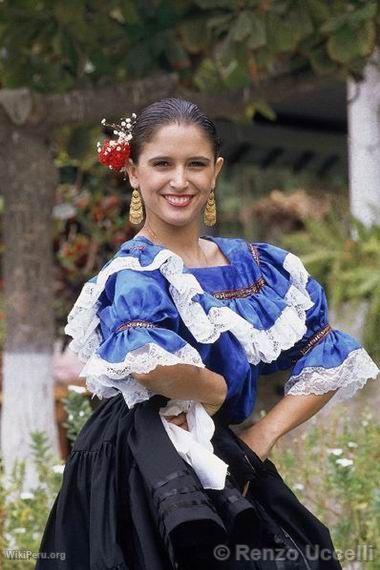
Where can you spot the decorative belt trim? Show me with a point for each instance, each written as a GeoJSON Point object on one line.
{"type": "Point", "coordinates": [134, 324]}
{"type": "Point", "coordinates": [319, 335]}
{"type": "Point", "coordinates": [242, 292]}
{"type": "Point", "coordinates": [137, 247]}
{"type": "Point", "coordinates": [254, 252]}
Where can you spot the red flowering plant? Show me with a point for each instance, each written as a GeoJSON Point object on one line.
{"type": "Point", "coordinates": [86, 236]}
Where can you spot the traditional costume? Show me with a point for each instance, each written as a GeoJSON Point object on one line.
{"type": "Point", "coordinates": [141, 493]}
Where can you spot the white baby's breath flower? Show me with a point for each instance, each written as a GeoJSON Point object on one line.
{"type": "Point", "coordinates": [352, 444]}
{"type": "Point", "coordinates": [11, 540]}
{"type": "Point", "coordinates": [25, 496]}
{"type": "Point", "coordinates": [63, 211]}
{"type": "Point", "coordinates": [335, 451]}
{"type": "Point", "coordinates": [344, 462]}
{"type": "Point", "coordinates": [89, 67]}
{"type": "Point", "coordinates": [74, 388]}
{"type": "Point", "coordinates": [58, 468]}
{"type": "Point", "coordinates": [81, 413]}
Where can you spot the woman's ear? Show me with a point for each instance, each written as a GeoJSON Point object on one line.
{"type": "Point", "coordinates": [218, 167]}
{"type": "Point", "coordinates": [132, 173]}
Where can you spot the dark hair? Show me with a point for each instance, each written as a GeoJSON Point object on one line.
{"type": "Point", "coordinates": [165, 112]}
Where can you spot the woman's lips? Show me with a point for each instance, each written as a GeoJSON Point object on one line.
{"type": "Point", "coordinates": [178, 201]}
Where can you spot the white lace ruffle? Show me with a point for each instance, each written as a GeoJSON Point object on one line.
{"type": "Point", "coordinates": [82, 321]}
{"type": "Point", "coordinates": [259, 345]}
{"type": "Point", "coordinates": [103, 377]}
{"type": "Point", "coordinates": [296, 269]}
{"type": "Point", "coordinates": [348, 377]}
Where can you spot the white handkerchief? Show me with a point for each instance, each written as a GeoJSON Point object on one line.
{"type": "Point", "coordinates": [194, 446]}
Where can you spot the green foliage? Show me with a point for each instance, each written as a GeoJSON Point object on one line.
{"type": "Point", "coordinates": [208, 77]}
{"type": "Point", "coordinates": [195, 34]}
{"type": "Point", "coordinates": [54, 47]}
{"type": "Point", "coordinates": [348, 266]}
{"type": "Point", "coordinates": [260, 106]}
{"type": "Point", "coordinates": [78, 411]}
{"type": "Point", "coordinates": [334, 37]}
{"type": "Point", "coordinates": [343, 50]}
{"type": "Point", "coordinates": [333, 469]}
{"type": "Point", "coordinates": [23, 515]}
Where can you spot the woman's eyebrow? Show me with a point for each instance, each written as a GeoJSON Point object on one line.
{"type": "Point", "coordinates": [155, 158]}
{"type": "Point", "coordinates": [200, 158]}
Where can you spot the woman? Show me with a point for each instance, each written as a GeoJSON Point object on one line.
{"type": "Point", "coordinates": [175, 330]}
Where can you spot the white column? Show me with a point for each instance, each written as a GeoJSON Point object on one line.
{"type": "Point", "coordinates": [28, 405]}
{"type": "Point", "coordinates": [364, 143]}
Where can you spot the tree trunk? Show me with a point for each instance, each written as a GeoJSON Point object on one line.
{"type": "Point", "coordinates": [364, 143]}
{"type": "Point", "coordinates": [28, 184]}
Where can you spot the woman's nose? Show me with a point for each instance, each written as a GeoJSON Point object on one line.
{"type": "Point", "coordinates": [179, 179]}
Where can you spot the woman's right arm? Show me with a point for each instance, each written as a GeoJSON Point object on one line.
{"type": "Point", "coordinates": [186, 382]}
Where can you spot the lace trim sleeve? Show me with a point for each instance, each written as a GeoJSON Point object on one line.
{"type": "Point", "coordinates": [105, 378]}
{"type": "Point", "coordinates": [347, 378]}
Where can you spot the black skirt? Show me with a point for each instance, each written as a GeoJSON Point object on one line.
{"type": "Point", "coordinates": [128, 501]}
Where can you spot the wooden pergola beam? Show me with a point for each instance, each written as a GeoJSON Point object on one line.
{"type": "Point", "coordinates": [29, 109]}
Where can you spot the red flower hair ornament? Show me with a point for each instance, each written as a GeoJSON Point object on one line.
{"type": "Point", "coordinates": [115, 153]}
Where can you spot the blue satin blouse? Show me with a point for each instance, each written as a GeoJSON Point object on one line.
{"type": "Point", "coordinates": [255, 285]}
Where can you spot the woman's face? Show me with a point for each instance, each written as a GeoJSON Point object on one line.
{"type": "Point", "coordinates": [175, 173]}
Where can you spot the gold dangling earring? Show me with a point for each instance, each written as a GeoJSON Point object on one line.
{"type": "Point", "coordinates": [136, 208]}
{"type": "Point", "coordinates": [209, 217]}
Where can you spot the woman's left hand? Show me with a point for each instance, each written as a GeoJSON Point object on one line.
{"type": "Point", "coordinates": [257, 439]}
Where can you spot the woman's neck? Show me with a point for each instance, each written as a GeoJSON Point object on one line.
{"type": "Point", "coordinates": [184, 241]}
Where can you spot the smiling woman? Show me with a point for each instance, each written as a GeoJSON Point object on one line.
{"type": "Point", "coordinates": [175, 331]}
{"type": "Point", "coordinates": [176, 185]}
{"type": "Point", "coordinates": [174, 163]}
